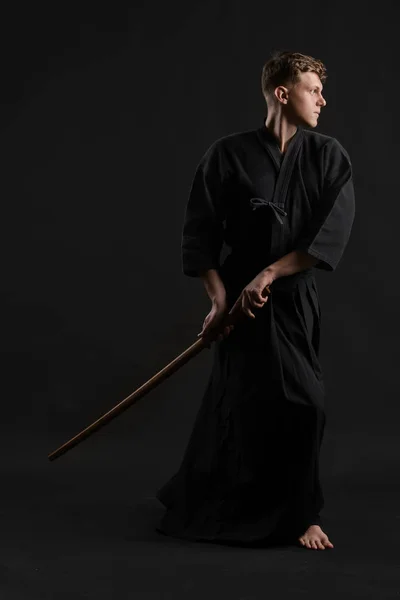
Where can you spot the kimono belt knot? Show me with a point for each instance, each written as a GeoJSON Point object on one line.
{"type": "Point", "coordinates": [277, 210]}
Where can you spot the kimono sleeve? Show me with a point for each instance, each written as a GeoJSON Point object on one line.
{"type": "Point", "coordinates": [203, 229]}
{"type": "Point", "coordinates": [326, 235]}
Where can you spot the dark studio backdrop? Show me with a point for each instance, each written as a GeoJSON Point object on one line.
{"type": "Point", "coordinates": [105, 114]}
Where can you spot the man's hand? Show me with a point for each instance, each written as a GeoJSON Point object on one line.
{"type": "Point", "coordinates": [252, 295]}
{"type": "Point", "coordinates": [213, 320]}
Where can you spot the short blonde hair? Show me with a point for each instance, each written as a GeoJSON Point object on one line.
{"type": "Point", "coordinates": [285, 67]}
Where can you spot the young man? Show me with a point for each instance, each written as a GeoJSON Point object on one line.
{"type": "Point", "coordinates": [281, 198]}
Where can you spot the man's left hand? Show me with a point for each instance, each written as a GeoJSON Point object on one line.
{"type": "Point", "coordinates": [252, 295]}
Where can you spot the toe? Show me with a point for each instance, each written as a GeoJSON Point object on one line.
{"type": "Point", "coordinates": [320, 545]}
{"type": "Point", "coordinates": [313, 545]}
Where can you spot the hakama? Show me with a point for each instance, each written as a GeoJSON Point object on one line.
{"type": "Point", "coordinates": [250, 471]}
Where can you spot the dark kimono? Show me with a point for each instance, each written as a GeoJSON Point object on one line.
{"type": "Point", "coordinates": [250, 472]}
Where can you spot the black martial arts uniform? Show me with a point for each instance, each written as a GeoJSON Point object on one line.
{"type": "Point", "coordinates": [250, 472]}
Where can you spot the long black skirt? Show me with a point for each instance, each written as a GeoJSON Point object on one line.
{"type": "Point", "coordinates": [250, 471]}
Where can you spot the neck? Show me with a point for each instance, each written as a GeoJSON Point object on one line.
{"type": "Point", "coordinates": [279, 126]}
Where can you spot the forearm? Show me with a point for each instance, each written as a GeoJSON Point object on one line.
{"type": "Point", "coordinates": [291, 263]}
{"type": "Point", "coordinates": [214, 285]}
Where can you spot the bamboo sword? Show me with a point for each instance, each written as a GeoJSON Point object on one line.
{"type": "Point", "coordinates": [231, 319]}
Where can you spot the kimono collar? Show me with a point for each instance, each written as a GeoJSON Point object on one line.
{"type": "Point", "coordinates": [284, 164]}
{"type": "Point", "coordinates": [271, 141]}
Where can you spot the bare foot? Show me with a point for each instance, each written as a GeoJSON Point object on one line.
{"type": "Point", "coordinates": [315, 538]}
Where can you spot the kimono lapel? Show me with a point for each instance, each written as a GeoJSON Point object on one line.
{"type": "Point", "coordinates": [284, 165]}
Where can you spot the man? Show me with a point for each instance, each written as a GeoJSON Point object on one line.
{"type": "Point", "coordinates": [281, 198]}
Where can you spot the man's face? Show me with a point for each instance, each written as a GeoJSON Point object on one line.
{"type": "Point", "coordinates": [305, 100]}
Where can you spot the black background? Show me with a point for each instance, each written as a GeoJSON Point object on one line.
{"type": "Point", "coordinates": [105, 113]}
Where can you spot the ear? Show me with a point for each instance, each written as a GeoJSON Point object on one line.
{"type": "Point", "coordinates": [282, 94]}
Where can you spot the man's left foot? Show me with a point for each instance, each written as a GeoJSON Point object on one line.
{"type": "Point", "coordinates": [315, 538]}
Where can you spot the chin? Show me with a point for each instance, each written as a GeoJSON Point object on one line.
{"type": "Point", "coordinates": [304, 122]}
{"type": "Point", "coordinates": [312, 123]}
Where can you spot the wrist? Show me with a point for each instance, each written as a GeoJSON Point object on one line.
{"type": "Point", "coordinates": [272, 271]}
{"type": "Point", "coordinates": [219, 299]}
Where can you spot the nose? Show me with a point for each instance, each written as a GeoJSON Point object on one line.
{"type": "Point", "coordinates": [322, 101]}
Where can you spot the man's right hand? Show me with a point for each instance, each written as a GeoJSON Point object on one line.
{"type": "Point", "coordinates": [218, 312]}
